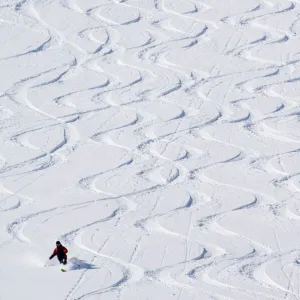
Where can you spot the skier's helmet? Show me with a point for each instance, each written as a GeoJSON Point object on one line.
{"type": "Point", "coordinates": [58, 243]}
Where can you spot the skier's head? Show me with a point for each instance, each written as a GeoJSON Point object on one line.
{"type": "Point", "coordinates": [58, 244]}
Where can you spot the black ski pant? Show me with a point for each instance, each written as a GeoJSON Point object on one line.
{"type": "Point", "coordinates": [62, 259]}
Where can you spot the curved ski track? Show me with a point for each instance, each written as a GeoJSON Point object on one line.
{"type": "Point", "coordinates": [159, 140]}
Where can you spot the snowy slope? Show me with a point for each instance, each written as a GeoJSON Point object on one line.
{"type": "Point", "coordinates": [158, 140]}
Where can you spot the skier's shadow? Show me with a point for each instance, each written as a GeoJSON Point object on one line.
{"type": "Point", "coordinates": [79, 264]}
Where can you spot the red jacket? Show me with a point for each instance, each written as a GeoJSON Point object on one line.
{"type": "Point", "coordinates": [60, 252]}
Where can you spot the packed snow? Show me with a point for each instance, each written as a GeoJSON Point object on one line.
{"type": "Point", "coordinates": [158, 140]}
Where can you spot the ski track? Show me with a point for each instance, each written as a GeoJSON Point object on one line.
{"type": "Point", "coordinates": [159, 140]}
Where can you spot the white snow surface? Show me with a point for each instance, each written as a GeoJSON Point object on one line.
{"type": "Point", "coordinates": [158, 140]}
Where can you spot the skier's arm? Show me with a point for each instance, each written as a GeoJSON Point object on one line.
{"type": "Point", "coordinates": [65, 250]}
{"type": "Point", "coordinates": [53, 254]}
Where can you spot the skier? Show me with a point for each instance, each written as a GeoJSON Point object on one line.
{"type": "Point", "coordinates": [61, 253]}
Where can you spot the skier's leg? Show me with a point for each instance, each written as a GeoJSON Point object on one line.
{"type": "Point", "coordinates": [60, 259]}
{"type": "Point", "coordinates": [65, 260]}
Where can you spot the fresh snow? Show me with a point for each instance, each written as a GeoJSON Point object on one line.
{"type": "Point", "coordinates": [158, 140]}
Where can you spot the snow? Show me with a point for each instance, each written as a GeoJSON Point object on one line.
{"type": "Point", "coordinates": [158, 140]}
